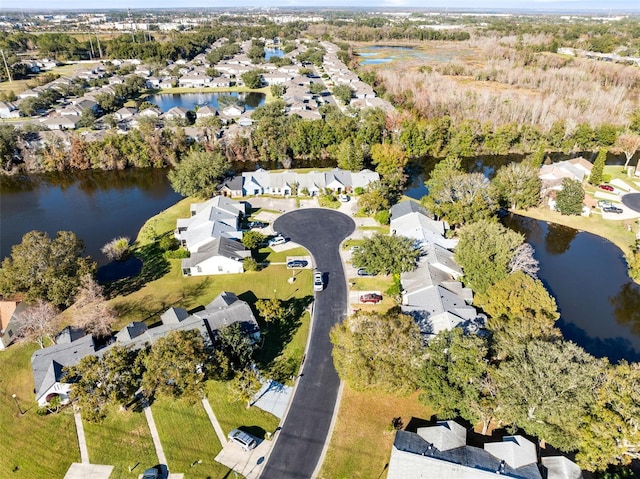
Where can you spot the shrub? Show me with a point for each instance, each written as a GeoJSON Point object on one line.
{"type": "Point", "coordinates": [168, 243]}
{"type": "Point", "coordinates": [382, 217]}
{"type": "Point", "coordinates": [358, 190]}
{"type": "Point", "coordinates": [250, 264]}
{"type": "Point", "coordinates": [117, 249]}
{"type": "Point", "coordinates": [328, 201]}
{"type": "Point", "coordinates": [176, 254]}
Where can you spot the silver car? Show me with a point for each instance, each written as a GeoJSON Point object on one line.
{"type": "Point", "coordinates": [245, 440]}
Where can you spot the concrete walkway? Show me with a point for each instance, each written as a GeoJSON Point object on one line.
{"type": "Point", "coordinates": [214, 422]}
{"type": "Point", "coordinates": [155, 436]}
{"type": "Point", "coordinates": [82, 442]}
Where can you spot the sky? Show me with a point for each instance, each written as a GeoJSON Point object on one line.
{"type": "Point", "coordinates": [544, 5]}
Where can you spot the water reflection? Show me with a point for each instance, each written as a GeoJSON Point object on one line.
{"type": "Point", "coordinates": [558, 239]}
{"type": "Point", "coordinates": [626, 306]}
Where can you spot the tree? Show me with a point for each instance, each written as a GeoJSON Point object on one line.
{"type": "Point", "coordinates": [39, 321]}
{"type": "Point", "coordinates": [278, 90]}
{"type": "Point", "coordinates": [390, 161]}
{"type": "Point", "coordinates": [235, 345]}
{"type": "Point", "coordinates": [8, 146]}
{"type": "Point", "coordinates": [374, 198]}
{"type": "Point", "coordinates": [252, 79]}
{"type": "Point", "coordinates": [362, 361]}
{"type": "Point", "coordinates": [384, 254]}
{"type": "Point", "coordinates": [520, 309]}
{"type": "Point", "coordinates": [545, 388]}
{"type": "Point", "coordinates": [244, 387]}
{"type": "Point", "coordinates": [99, 381]}
{"type": "Point", "coordinates": [454, 377]}
{"type": "Point", "coordinates": [518, 185]}
{"type": "Point", "coordinates": [117, 249]}
{"type": "Point", "coordinates": [523, 260]}
{"type": "Point", "coordinates": [94, 314]}
{"type": "Point", "coordinates": [199, 173]}
{"type": "Point", "coordinates": [628, 143]}
{"type": "Point", "coordinates": [253, 239]}
{"type": "Point", "coordinates": [610, 433]}
{"type": "Point", "coordinates": [349, 155]}
{"type": "Point", "coordinates": [271, 310]}
{"type": "Point", "coordinates": [43, 268]}
{"type": "Point", "coordinates": [343, 93]}
{"type": "Point", "coordinates": [457, 196]}
{"type": "Point", "coordinates": [174, 366]}
{"type": "Point", "coordinates": [484, 252]}
{"type": "Point", "coordinates": [569, 200]}
{"type": "Point", "coordinates": [595, 178]}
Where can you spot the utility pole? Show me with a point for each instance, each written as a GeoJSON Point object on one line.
{"type": "Point", "coordinates": [99, 47]}
{"type": "Point", "coordinates": [93, 54]}
{"type": "Point", "coordinates": [6, 66]}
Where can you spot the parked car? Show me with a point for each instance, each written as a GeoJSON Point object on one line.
{"type": "Point", "coordinates": [370, 298]}
{"type": "Point", "coordinates": [318, 282]}
{"type": "Point", "coordinates": [151, 474]}
{"type": "Point", "coordinates": [604, 203]}
{"type": "Point", "coordinates": [297, 263]}
{"type": "Point", "coordinates": [344, 198]}
{"type": "Point", "coordinates": [355, 248]}
{"type": "Point", "coordinates": [275, 241]}
{"type": "Point", "coordinates": [606, 187]}
{"type": "Point", "coordinates": [364, 272]}
{"type": "Point", "coordinates": [256, 224]}
{"type": "Point", "coordinates": [612, 209]}
{"type": "Point", "coordinates": [245, 440]}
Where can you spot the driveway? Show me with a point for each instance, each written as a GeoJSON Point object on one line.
{"type": "Point", "coordinates": [300, 442]}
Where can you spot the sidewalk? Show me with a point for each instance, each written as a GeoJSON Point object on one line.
{"type": "Point", "coordinates": [82, 442]}
{"type": "Point", "coordinates": [155, 436]}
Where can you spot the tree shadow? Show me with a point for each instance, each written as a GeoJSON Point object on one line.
{"type": "Point", "coordinates": [154, 266]}
{"type": "Point", "coordinates": [276, 336]}
{"type": "Point", "coordinates": [255, 431]}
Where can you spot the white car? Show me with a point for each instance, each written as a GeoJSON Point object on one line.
{"type": "Point", "coordinates": [277, 240]}
{"type": "Point", "coordinates": [344, 198]}
{"type": "Point", "coordinates": [245, 440]}
{"type": "Point", "coordinates": [318, 282]}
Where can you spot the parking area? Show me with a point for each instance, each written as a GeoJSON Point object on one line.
{"type": "Point", "coordinates": [247, 463]}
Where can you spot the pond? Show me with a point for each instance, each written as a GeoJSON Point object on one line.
{"type": "Point", "coordinates": [250, 100]}
{"type": "Point", "coordinates": [96, 205]}
{"type": "Point", "coordinates": [270, 53]}
{"type": "Point", "coordinates": [598, 303]}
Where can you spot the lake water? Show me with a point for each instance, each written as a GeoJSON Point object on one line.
{"type": "Point", "coordinates": [598, 303]}
{"type": "Point", "coordinates": [97, 205]}
{"type": "Point", "coordinates": [250, 100]}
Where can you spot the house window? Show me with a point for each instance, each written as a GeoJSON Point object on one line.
{"type": "Point", "coordinates": [220, 267]}
{"type": "Point", "coordinates": [186, 271]}
{"type": "Point", "coordinates": [10, 333]}
{"type": "Point", "coordinates": [199, 269]}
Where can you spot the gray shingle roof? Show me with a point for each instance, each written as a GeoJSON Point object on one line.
{"type": "Point", "coordinates": [221, 246]}
{"type": "Point", "coordinates": [406, 207]}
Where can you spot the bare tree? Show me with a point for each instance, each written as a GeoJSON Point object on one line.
{"type": "Point", "coordinates": [524, 261]}
{"type": "Point", "coordinates": [628, 143]}
{"type": "Point", "coordinates": [117, 249]}
{"type": "Point", "coordinates": [39, 321]}
{"type": "Point", "coordinates": [94, 314]}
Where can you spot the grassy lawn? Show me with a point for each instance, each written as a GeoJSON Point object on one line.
{"type": "Point", "coordinates": [187, 436]}
{"type": "Point", "coordinates": [378, 229]}
{"type": "Point", "coordinates": [33, 446]}
{"type": "Point", "coordinates": [235, 414]}
{"type": "Point", "coordinates": [18, 86]}
{"type": "Point", "coordinates": [361, 443]}
{"type": "Point", "coordinates": [122, 440]}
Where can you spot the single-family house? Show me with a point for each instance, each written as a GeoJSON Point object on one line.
{"type": "Point", "coordinates": [194, 79]}
{"type": "Point", "coordinates": [220, 256]}
{"type": "Point", "coordinates": [125, 113]}
{"type": "Point", "coordinates": [61, 122]}
{"type": "Point", "coordinates": [206, 112]}
{"type": "Point", "coordinates": [28, 93]}
{"type": "Point", "coordinates": [441, 451]}
{"type": "Point", "coordinates": [232, 111]}
{"type": "Point", "coordinates": [553, 174]}
{"type": "Point", "coordinates": [410, 219]}
{"type": "Point", "coordinates": [10, 322]}
{"type": "Point", "coordinates": [218, 217]}
{"type": "Point", "coordinates": [231, 187]}
{"type": "Point", "coordinates": [153, 112]}
{"type": "Point", "coordinates": [176, 113]}
{"type": "Point", "coordinates": [9, 110]}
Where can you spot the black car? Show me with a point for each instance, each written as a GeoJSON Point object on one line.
{"type": "Point", "coordinates": [364, 272]}
{"type": "Point", "coordinates": [297, 263]}
{"type": "Point", "coordinates": [612, 209]}
{"type": "Point", "coordinates": [257, 224]}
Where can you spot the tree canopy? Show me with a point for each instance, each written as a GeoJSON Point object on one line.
{"type": "Point", "coordinates": [518, 185]}
{"type": "Point", "coordinates": [569, 200]}
{"type": "Point", "coordinates": [387, 254]}
{"type": "Point", "coordinates": [484, 252]}
{"type": "Point", "coordinates": [379, 352]}
{"type": "Point", "coordinates": [199, 173]}
{"type": "Point", "coordinates": [45, 268]}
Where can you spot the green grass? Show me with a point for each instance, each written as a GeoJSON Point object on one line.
{"type": "Point", "coordinates": [187, 436]}
{"type": "Point", "coordinates": [361, 442]}
{"type": "Point", "coordinates": [122, 440]}
{"type": "Point", "coordinates": [235, 414]}
{"type": "Point", "coordinates": [378, 229]}
{"type": "Point", "coordinates": [35, 446]}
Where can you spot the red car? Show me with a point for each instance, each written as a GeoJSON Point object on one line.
{"type": "Point", "coordinates": [370, 298]}
{"type": "Point", "coordinates": [606, 187]}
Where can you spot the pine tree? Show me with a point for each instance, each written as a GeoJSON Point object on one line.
{"type": "Point", "coordinates": [598, 167]}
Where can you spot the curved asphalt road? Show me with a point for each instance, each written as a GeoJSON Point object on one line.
{"type": "Point", "coordinates": [299, 445]}
{"type": "Point", "coordinates": [632, 200]}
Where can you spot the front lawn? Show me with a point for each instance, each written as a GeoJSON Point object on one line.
{"type": "Point", "coordinates": [33, 445]}
{"type": "Point", "coordinates": [187, 436]}
{"type": "Point", "coordinates": [361, 442]}
{"type": "Point", "coordinates": [122, 440]}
